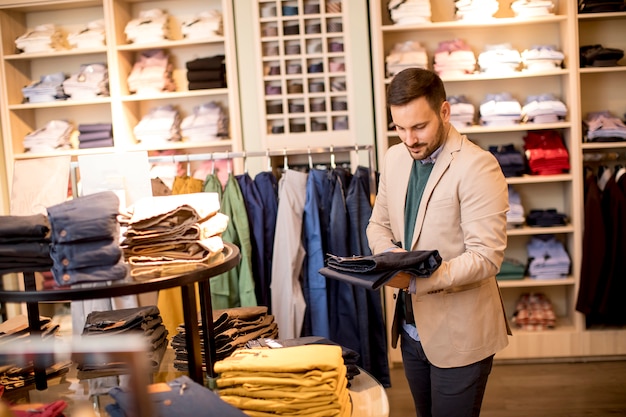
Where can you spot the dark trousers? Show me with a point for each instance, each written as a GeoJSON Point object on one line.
{"type": "Point", "coordinates": [443, 392]}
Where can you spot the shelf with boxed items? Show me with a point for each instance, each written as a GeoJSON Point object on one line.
{"type": "Point", "coordinates": [120, 109]}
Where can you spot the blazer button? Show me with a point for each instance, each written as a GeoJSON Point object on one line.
{"type": "Point", "coordinates": [395, 296]}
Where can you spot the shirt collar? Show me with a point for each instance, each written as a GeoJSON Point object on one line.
{"type": "Point", "coordinates": [433, 157]}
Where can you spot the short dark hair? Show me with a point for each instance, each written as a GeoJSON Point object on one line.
{"type": "Point", "coordinates": [413, 83]}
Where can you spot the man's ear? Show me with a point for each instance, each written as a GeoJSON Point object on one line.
{"type": "Point", "coordinates": [445, 111]}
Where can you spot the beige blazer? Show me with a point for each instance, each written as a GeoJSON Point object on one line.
{"type": "Point", "coordinates": [458, 310]}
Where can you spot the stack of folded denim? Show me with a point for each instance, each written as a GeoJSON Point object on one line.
{"type": "Point", "coordinates": [547, 258]}
{"type": "Point", "coordinates": [92, 35]}
{"type": "Point", "coordinates": [546, 218]}
{"type": "Point", "coordinates": [409, 54]}
{"type": "Point", "coordinates": [532, 8]}
{"type": "Point", "coordinates": [177, 229]}
{"type": "Point", "coordinates": [92, 80]}
{"type": "Point", "coordinates": [476, 10]}
{"type": "Point", "coordinates": [151, 26]}
{"type": "Point", "coordinates": [151, 73]}
{"type": "Point", "coordinates": [499, 58]}
{"type": "Point", "coordinates": [95, 135]}
{"type": "Point", "coordinates": [207, 72]}
{"type": "Point", "coordinates": [542, 58]}
{"type": "Point", "coordinates": [515, 215]}
{"type": "Point", "coordinates": [85, 240]}
{"type": "Point", "coordinates": [603, 126]}
{"type": "Point", "coordinates": [272, 381]}
{"type": "Point", "coordinates": [409, 12]}
{"type": "Point", "coordinates": [46, 37]}
{"type": "Point", "coordinates": [544, 108]}
{"type": "Point", "coordinates": [453, 58]}
{"type": "Point", "coordinates": [24, 244]}
{"type": "Point", "coordinates": [233, 327]}
{"type": "Point", "coordinates": [48, 88]}
{"type": "Point", "coordinates": [546, 153]}
{"type": "Point", "coordinates": [205, 25]}
{"type": "Point", "coordinates": [500, 110]}
{"type": "Point", "coordinates": [510, 159]}
{"type": "Point", "coordinates": [160, 125]}
{"type": "Point", "coordinates": [144, 321]}
{"type": "Point", "coordinates": [462, 112]}
{"type": "Point", "coordinates": [207, 123]}
{"type": "Point", "coordinates": [54, 135]}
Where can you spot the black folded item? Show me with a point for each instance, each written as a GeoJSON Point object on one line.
{"type": "Point", "coordinates": [205, 75]}
{"type": "Point", "coordinates": [207, 63]}
{"type": "Point", "coordinates": [599, 56]}
{"type": "Point", "coordinates": [374, 271]}
{"type": "Point", "coordinates": [600, 6]}
{"type": "Point", "coordinates": [546, 218]}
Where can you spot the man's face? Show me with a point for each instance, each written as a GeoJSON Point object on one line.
{"type": "Point", "coordinates": [421, 129]}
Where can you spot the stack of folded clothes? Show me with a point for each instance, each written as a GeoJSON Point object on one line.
{"type": "Point", "coordinates": [534, 311]}
{"type": "Point", "coordinates": [92, 35]}
{"type": "Point", "coordinates": [144, 321]}
{"type": "Point", "coordinates": [532, 8]}
{"type": "Point", "coordinates": [95, 135]}
{"type": "Point", "coordinates": [48, 88]}
{"type": "Point", "coordinates": [409, 54]}
{"type": "Point", "coordinates": [409, 12]}
{"type": "Point", "coordinates": [510, 159]}
{"type": "Point", "coordinates": [206, 73]}
{"type": "Point", "coordinates": [207, 123]}
{"type": "Point", "coordinates": [298, 380]}
{"type": "Point", "coordinates": [151, 26]}
{"type": "Point", "coordinates": [454, 58]}
{"type": "Point", "coordinates": [544, 108]}
{"type": "Point", "coordinates": [500, 110]}
{"type": "Point", "coordinates": [56, 134]}
{"type": "Point", "coordinates": [24, 244]}
{"type": "Point", "coordinates": [233, 327]}
{"type": "Point", "coordinates": [160, 125]}
{"type": "Point", "coordinates": [546, 153]}
{"type": "Point", "coordinates": [547, 258]}
{"type": "Point", "coordinates": [462, 112]}
{"type": "Point", "coordinates": [91, 81]}
{"type": "Point", "coordinates": [511, 269]}
{"type": "Point", "coordinates": [515, 216]}
{"type": "Point", "coordinates": [151, 73]}
{"type": "Point", "coordinates": [599, 56]}
{"type": "Point", "coordinates": [603, 126]}
{"type": "Point", "coordinates": [546, 218]}
{"type": "Point", "coordinates": [542, 58]}
{"type": "Point", "coordinates": [601, 6]}
{"type": "Point", "coordinates": [499, 58]}
{"type": "Point", "coordinates": [46, 37]}
{"type": "Point", "coordinates": [85, 240]}
{"type": "Point", "coordinates": [475, 9]}
{"type": "Point", "coordinates": [205, 25]}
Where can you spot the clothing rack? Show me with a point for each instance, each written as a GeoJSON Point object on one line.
{"type": "Point", "coordinates": [285, 153]}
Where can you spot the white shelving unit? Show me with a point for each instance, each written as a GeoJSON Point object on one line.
{"type": "Point", "coordinates": [123, 109]}
{"type": "Point", "coordinates": [563, 191]}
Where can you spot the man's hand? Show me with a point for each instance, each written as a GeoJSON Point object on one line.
{"type": "Point", "coordinates": [400, 280]}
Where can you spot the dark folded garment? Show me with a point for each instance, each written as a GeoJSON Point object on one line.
{"type": "Point", "coordinates": [96, 135]}
{"type": "Point", "coordinates": [207, 63]}
{"type": "Point", "coordinates": [205, 85]}
{"type": "Point", "coordinates": [205, 75]}
{"type": "Point", "coordinates": [95, 127]}
{"type": "Point", "coordinates": [374, 271]}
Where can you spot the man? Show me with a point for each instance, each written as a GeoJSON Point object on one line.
{"type": "Point", "coordinates": [440, 191]}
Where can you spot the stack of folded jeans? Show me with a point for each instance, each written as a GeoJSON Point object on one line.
{"type": "Point", "coordinates": [24, 244]}
{"type": "Point", "coordinates": [92, 35]}
{"type": "Point", "coordinates": [151, 26]}
{"type": "Point", "coordinates": [603, 126]}
{"type": "Point", "coordinates": [207, 123]}
{"type": "Point", "coordinates": [297, 380]}
{"type": "Point", "coordinates": [204, 25]}
{"type": "Point", "coordinates": [547, 258]}
{"type": "Point", "coordinates": [144, 321]}
{"type": "Point", "coordinates": [151, 73]}
{"type": "Point", "coordinates": [91, 81]}
{"type": "Point", "coordinates": [95, 135]}
{"type": "Point", "coordinates": [48, 88]}
{"type": "Point", "coordinates": [409, 54]}
{"type": "Point", "coordinates": [46, 37]}
{"type": "Point", "coordinates": [510, 159]}
{"type": "Point", "coordinates": [206, 73]}
{"type": "Point", "coordinates": [233, 327]}
{"type": "Point", "coordinates": [54, 135]}
{"type": "Point", "coordinates": [85, 240]}
{"type": "Point", "coordinates": [408, 12]}
{"type": "Point", "coordinates": [174, 229]}
{"type": "Point", "coordinates": [546, 153]}
{"type": "Point", "coordinates": [546, 218]}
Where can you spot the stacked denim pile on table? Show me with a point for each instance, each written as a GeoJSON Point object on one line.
{"type": "Point", "coordinates": [24, 244]}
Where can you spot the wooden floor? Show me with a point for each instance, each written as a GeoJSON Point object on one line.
{"type": "Point", "coordinates": [583, 389]}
